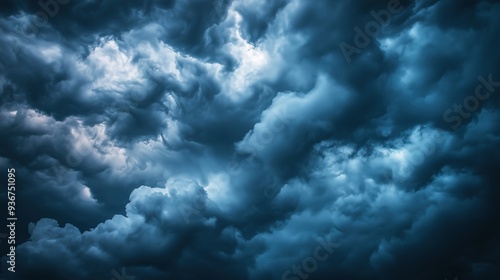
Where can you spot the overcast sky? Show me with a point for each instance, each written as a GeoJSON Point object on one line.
{"type": "Point", "coordinates": [252, 139]}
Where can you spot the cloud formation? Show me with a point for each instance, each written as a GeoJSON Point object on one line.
{"type": "Point", "coordinates": [195, 139]}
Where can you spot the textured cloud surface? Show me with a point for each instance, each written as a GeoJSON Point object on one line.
{"type": "Point", "coordinates": [252, 139]}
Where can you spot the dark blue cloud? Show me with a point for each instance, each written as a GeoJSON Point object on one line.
{"type": "Point", "coordinates": [252, 140]}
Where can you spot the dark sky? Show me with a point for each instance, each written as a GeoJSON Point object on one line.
{"type": "Point", "coordinates": [252, 139]}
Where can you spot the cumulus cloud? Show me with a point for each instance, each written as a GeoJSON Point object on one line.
{"type": "Point", "coordinates": [224, 139]}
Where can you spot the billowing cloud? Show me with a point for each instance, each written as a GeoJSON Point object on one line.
{"type": "Point", "coordinates": [290, 139]}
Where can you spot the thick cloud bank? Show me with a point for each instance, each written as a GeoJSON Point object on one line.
{"type": "Point", "coordinates": [252, 139]}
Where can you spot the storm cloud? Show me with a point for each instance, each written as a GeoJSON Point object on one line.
{"type": "Point", "coordinates": [252, 139]}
